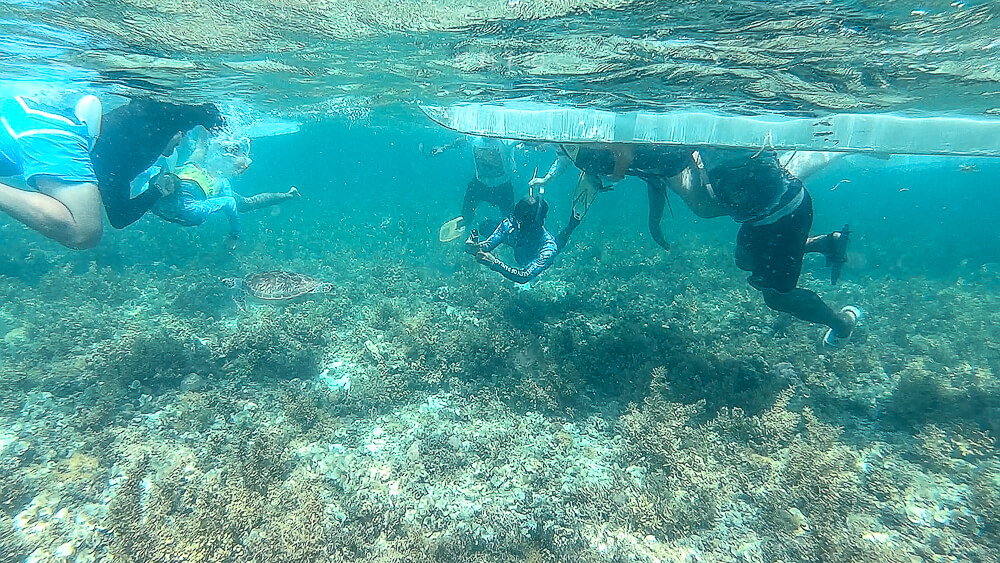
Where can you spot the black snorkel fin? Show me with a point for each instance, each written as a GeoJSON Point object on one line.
{"type": "Point", "coordinates": [837, 255]}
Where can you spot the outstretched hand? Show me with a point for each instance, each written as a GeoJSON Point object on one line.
{"type": "Point", "coordinates": [486, 258]}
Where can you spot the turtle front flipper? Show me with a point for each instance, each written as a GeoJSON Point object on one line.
{"type": "Point", "coordinates": [240, 297]}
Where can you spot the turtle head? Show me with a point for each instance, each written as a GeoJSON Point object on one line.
{"type": "Point", "coordinates": [231, 283]}
{"type": "Point", "coordinates": [325, 288]}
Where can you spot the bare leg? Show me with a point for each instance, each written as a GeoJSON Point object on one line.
{"type": "Point", "coordinates": [266, 199]}
{"type": "Point", "coordinates": [69, 214]}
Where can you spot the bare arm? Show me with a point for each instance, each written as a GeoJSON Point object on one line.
{"type": "Point", "coordinates": [803, 164]}
{"type": "Point", "coordinates": [693, 187]}
{"type": "Point", "coordinates": [200, 148]}
{"type": "Point", "coordinates": [454, 144]}
{"type": "Point", "coordinates": [624, 154]}
{"type": "Point", "coordinates": [559, 165]}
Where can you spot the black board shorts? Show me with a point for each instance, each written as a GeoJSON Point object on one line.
{"type": "Point", "coordinates": [773, 253]}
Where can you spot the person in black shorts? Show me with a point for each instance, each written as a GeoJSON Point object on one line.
{"type": "Point", "coordinates": [775, 212]}
{"type": "Point", "coordinates": [494, 162]}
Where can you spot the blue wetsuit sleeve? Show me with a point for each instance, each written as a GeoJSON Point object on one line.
{"type": "Point", "coordinates": [546, 255]}
{"type": "Point", "coordinates": [500, 235]}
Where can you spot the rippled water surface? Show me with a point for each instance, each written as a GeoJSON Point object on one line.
{"type": "Point", "coordinates": [301, 57]}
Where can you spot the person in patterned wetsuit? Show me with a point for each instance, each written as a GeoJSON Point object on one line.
{"type": "Point", "coordinates": [524, 229]}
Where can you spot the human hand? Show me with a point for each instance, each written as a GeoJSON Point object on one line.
{"type": "Point", "coordinates": [165, 183]}
{"type": "Point", "coordinates": [485, 258]}
{"type": "Point", "coordinates": [471, 247]}
{"type": "Point", "coordinates": [535, 182]}
{"type": "Point", "coordinates": [436, 151]}
{"type": "Point", "coordinates": [232, 241]}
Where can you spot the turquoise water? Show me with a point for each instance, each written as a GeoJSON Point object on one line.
{"type": "Point", "coordinates": [633, 405]}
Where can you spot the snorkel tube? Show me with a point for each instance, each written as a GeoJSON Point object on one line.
{"type": "Point", "coordinates": [539, 218]}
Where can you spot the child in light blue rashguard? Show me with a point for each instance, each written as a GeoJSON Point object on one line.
{"type": "Point", "coordinates": [192, 193]}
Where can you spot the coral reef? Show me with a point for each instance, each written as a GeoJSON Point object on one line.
{"type": "Point", "coordinates": [633, 405]}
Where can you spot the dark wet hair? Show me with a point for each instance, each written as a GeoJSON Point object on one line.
{"type": "Point", "coordinates": [132, 136]}
{"type": "Point", "coordinates": [530, 211]}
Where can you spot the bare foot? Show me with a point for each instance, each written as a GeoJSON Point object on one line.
{"type": "Point", "coordinates": [293, 193]}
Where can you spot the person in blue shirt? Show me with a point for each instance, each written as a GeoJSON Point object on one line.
{"type": "Point", "coordinates": [524, 229]}
{"type": "Point", "coordinates": [47, 152]}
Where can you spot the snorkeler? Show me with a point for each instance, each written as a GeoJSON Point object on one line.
{"type": "Point", "coordinates": [775, 213]}
{"type": "Point", "coordinates": [201, 187]}
{"type": "Point", "coordinates": [605, 165]}
{"type": "Point", "coordinates": [49, 150]}
{"type": "Point", "coordinates": [524, 229]}
{"type": "Point", "coordinates": [494, 163]}
{"type": "Point", "coordinates": [134, 137]}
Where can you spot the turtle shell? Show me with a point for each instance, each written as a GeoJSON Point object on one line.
{"type": "Point", "coordinates": [278, 285]}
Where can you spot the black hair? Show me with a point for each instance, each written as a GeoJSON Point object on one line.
{"type": "Point", "coordinates": [132, 136]}
{"type": "Point", "coordinates": [530, 211]}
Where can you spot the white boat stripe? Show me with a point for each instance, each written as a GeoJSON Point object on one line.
{"type": "Point", "coordinates": [60, 132]}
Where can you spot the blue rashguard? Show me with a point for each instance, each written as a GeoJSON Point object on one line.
{"type": "Point", "coordinates": [534, 253]}
{"type": "Point", "coordinates": [36, 140]}
{"type": "Point", "coordinates": [188, 206]}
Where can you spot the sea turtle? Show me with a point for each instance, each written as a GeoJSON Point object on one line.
{"type": "Point", "coordinates": [276, 286]}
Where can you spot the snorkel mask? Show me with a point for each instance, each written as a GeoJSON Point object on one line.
{"type": "Point", "coordinates": [229, 156]}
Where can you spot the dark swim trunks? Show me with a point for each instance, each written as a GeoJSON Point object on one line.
{"type": "Point", "coordinates": [502, 197]}
{"type": "Point", "coordinates": [773, 253]}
